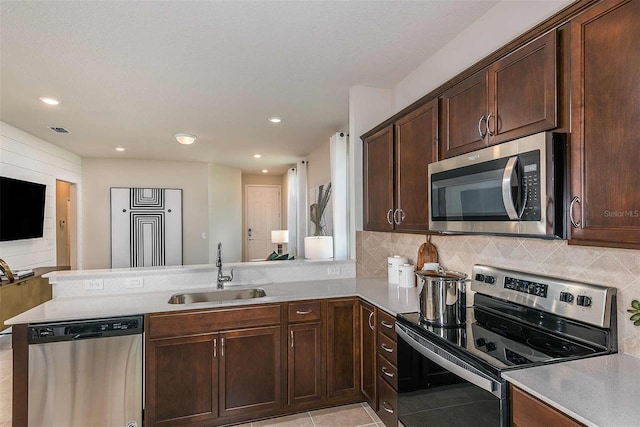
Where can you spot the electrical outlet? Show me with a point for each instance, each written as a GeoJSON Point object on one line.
{"type": "Point", "coordinates": [333, 270]}
{"type": "Point", "coordinates": [134, 282]}
{"type": "Point", "coordinates": [94, 284]}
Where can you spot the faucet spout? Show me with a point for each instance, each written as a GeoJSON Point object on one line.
{"type": "Point", "coordinates": [221, 277]}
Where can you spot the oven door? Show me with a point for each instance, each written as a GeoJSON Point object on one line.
{"type": "Point", "coordinates": [438, 388]}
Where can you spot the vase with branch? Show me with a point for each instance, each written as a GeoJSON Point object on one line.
{"type": "Point", "coordinates": [317, 210]}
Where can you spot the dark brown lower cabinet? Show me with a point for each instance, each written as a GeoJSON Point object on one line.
{"type": "Point", "coordinates": [181, 380]}
{"type": "Point", "coordinates": [387, 403]}
{"type": "Point", "coordinates": [368, 354]}
{"type": "Point", "coordinates": [527, 411]}
{"type": "Point", "coordinates": [305, 363]}
{"type": "Point", "coordinates": [343, 349]}
{"type": "Point", "coordinates": [249, 371]}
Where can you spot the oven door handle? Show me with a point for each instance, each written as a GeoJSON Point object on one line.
{"type": "Point", "coordinates": [445, 361]}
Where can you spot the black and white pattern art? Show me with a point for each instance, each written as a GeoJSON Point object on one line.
{"type": "Point", "coordinates": [146, 227]}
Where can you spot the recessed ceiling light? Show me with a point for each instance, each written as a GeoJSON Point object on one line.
{"type": "Point", "coordinates": [120, 149]}
{"type": "Point", "coordinates": [185, 138]}
{"type": "Point", "coordinates": [49, 101]}
{"type": "Point", "coordinates": [264, 171]}
{"type": "Point", "coordinates": [257, 156]}
{"type": "Point", "coordinates": [275, 119]}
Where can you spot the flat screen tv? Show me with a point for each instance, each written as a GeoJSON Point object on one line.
{"type": "Point", "coordinates": [21, 209]}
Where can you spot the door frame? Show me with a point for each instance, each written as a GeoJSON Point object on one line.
{"type": "Point", "coordinates": [245, 213]}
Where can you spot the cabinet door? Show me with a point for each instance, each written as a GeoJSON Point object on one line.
{"type": "Point", "coordinates": [378, 180]}
{"type": "Point", "coordinates": [181, 380]}
{"type": "Point", "coordinates": [305, 362]}
{"type": "Point", "coordinates": [523, 91]}
{"type": "Point", "coordinates": [605, 141]}
{"type": "Point", "coordinates": [527, 411]}
{"type": "Point", "coordinates": [416, 147]}
{"type": "Point", "coordinates": [250, 371]}
{"type": "Point", "coordinates": [343, 349]}
{"type": "Point", "coordinates": [464, 113]}
{"type": "Point", "coordinates": [387, 403]}
{"type": "Point", "coordinates": [368, 354]}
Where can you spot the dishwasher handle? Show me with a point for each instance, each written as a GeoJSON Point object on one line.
{"type": "Point", "coordinates": [86, 335]}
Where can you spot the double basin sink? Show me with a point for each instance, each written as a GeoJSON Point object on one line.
{"type": "Point", "coordinates": [216, 296]}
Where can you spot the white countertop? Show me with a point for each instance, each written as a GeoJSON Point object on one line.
{"type": "Point", "coordinates": [377, 291]}
{"type": "Point", "coordinates": [597, 391]}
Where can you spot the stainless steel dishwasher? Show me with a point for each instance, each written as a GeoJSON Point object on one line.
{"type": "Point", "coordinates": [86, 373]}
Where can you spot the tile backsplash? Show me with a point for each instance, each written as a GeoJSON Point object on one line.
{"type": "Point", "coordinates": [619, 268]}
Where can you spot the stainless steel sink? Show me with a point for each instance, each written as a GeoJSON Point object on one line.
{"type": "Point", "coordinates": [213, 296]}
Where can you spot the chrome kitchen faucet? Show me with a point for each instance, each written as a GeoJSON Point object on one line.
{"type": "Point", "coordinates": [222, 278]}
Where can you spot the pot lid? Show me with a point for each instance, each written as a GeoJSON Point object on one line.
{"type": "Point", "coordinates": [450, 274]}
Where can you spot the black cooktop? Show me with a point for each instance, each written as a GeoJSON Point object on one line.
{"type": "Point", "coordinates": [503, 342]}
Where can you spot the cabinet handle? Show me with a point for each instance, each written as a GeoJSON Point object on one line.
{"type": "Point", "coordinates": [482, 135]}
{"type": "Point", "coordinates": [371, 325]}
{"type": "Point", "coordinates": [222, 347]}
{"type": "Point", "coordinates": [387, 373]}
{"type": "Point", "coordinates": [489, 125]}
{"type": "Point", "coordinates": [575, 200]}
{"type": "Point", "coordinates": [389, 216]}
{"type": "Point", "coordinates": [386, 325]}
{"type": "Point", "coordinates": [402, 215]}
{"type": "Point", "coordinates": [387, 407]}
{"type": "Point", "coordinates": [395, 214]}
{"type": "Point", "coordinates": [304, 312]}
{"type": "Point", "coordinates": [215, 347]}
{"type": "Point", "coordinates": [291, 339]}
{"type": "Point", "coordinates": [385, 348]}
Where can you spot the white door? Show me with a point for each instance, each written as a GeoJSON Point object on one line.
{"type": "Point", "coordinates": [263, 215]}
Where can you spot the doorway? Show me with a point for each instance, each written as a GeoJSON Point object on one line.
{"type": "Point", "coordinates": [66, 229]}
{"type": "Point", "coordinates": [262, 216]}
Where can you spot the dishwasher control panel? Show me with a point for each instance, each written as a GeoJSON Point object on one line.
{"type": "Point", "coordinates": [85, 329]}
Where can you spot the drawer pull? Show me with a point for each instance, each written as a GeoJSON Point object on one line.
{"type": "Point", "coordinates": [385, 348]}
{"type": "Point", "coordinates": [304, 312]}
{"type": "Point", "coordinates": [291, 339]}
{"type": "Point", "coordinates": [387, 373]}
{"type": "Point", "coordinates": [386, 325]}
{"type": "Point", "coordinates": [215, 347]}
{"type": "Point", "coordinates": [387, 407]}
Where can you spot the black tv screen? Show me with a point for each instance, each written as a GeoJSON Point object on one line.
{"type": "Point", "coordinates": [21, 209]}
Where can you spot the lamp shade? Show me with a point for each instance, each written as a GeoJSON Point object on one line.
{"type": "Point", "coordinates": [279, 236]}
{"type": "Point", "coordinates": [318, 247]}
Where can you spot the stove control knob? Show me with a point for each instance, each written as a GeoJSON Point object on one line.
{"type": "Point", "coordinates": [584, 301]}
{"type": "Point", "coordinates": [480, 342]}
{"type": "Point", "coordinates": [489, 279]}
{"type": "Point", "coordinates": [491, 346]}
{"type": "Point", "coordinates": [566, 297]}
{"type": "Point", "coordinates": [480, 277]}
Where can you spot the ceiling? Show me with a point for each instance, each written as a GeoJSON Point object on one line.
{"type": "Point", "coordinates": [133, 73]}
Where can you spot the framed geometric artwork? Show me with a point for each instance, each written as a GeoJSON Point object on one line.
{"type": "Point", "coordinates": [146, 227]}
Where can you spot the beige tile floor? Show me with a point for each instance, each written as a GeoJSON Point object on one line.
{"type": "Point", "coordinates": [356, 415]}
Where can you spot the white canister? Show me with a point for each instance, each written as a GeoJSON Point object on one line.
{"type": "Point", "coordinates": [393, 262]}
{"type": "Point", "coordinates": [406, 276]}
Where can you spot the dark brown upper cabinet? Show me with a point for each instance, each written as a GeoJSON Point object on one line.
{"type": "Point", "coordinates": [515, 96]}
{"type": "Point", "coordinates": [395, 171]}
{"type": "Point", "coordinates": [605, 140]}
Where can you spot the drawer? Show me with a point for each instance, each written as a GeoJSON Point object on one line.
{"type": "Point", "coordinates": [304, 311]}
{"type": "Point", "coordinates": [387, 404]}
{"type": "Point", "coordinates": [193, 322]}
{"type": "Point", "coordinates": [388, 348]}
{"type": "Point", "coordinates": [387, 324]}
{"type": "Point", "coordinates": [388, 372]}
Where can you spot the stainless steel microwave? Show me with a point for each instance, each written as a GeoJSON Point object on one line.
{"type": "Point", "coordinates": [514, 188]}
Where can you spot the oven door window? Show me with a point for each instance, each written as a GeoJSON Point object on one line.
{"type": "Point", "coordinates": [477, 192]}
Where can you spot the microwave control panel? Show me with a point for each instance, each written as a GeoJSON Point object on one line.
{"type": "Point", "coordinates": [531, 183]}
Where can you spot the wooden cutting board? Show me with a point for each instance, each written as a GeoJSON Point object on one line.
{"type": "Point", "coordinates": [427, 253]}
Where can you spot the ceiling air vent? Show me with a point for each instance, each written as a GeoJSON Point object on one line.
{"type": "Point", "coordinates": [58, 129]}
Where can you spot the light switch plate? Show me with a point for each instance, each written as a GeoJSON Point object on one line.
{"type": "Point", "coordinates": [94, 284]}
{"type": "Point", "coordinates": [134, 282]}
{"type": "Point", "coordinates": [332, 271]}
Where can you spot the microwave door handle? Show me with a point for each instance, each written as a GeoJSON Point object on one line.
{"type": "Point", "coordinates": [507, 197]}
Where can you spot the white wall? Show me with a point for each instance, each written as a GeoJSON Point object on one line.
{"type": "Point", "coordinates": [25, 157]}
{"type": "Point", "coordinates": [318, 167]}
{"type": "Point", "coordinates": [225, 213]}
{"type": "Point", "coordinates": [99, 175]}
{"type": "Point", "coordinates": [501, 24]}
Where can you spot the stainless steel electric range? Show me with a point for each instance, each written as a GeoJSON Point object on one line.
{"type": "Point", "coordinates": [452, 376]}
